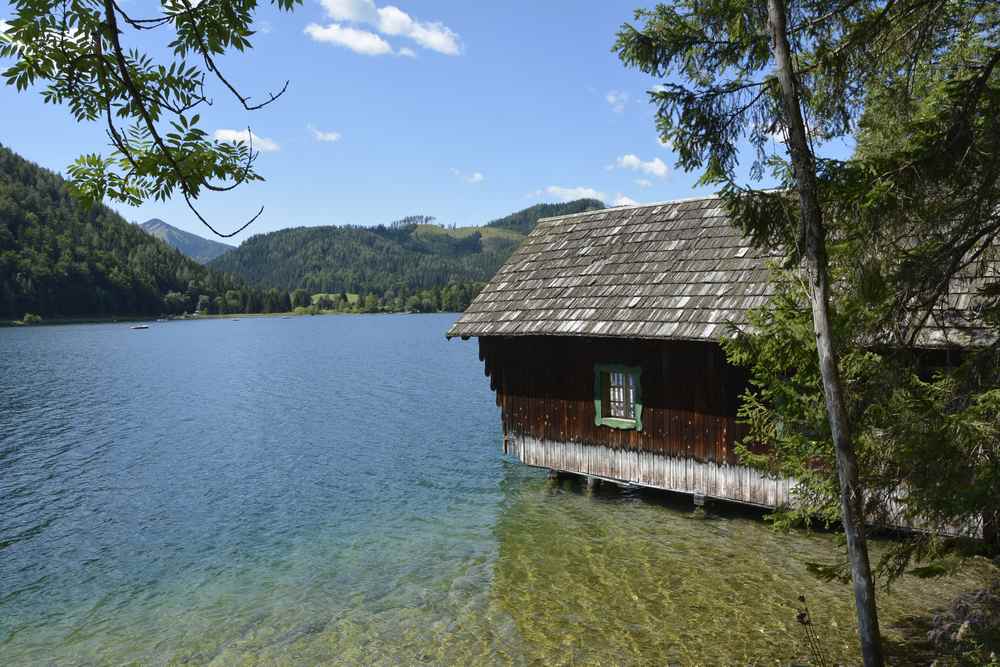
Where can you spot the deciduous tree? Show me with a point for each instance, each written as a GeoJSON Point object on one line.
{"type": "Point", "coordinates": [88, 56]}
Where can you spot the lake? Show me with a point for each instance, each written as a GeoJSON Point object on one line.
{"type": "Point", "coordinates": [331, 490]}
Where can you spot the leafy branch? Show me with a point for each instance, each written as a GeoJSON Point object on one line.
{"type": "Point", "coordinates": [75, 51]}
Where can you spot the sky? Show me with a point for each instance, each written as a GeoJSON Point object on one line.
{"type": "Point", "coordinates": [462, 111]}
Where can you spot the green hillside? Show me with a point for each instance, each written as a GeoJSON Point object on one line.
{"type": "Point", "coordinates": [406, 256]}
{"type": "Point", "coordinates": [59, 260]}
{"type": "Point", "coordinates": [199, 249]}
{"type": "Point", "coordinates": [524, 221]}
{"type": "Point", "coordinates": [358, 259]}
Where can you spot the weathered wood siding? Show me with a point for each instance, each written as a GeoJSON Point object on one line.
{"type": "Point", "coordinates": [652, 469]}
{"type": "Point", "coordinates": [690, 395]}
{"type": "Point", "coordinates": [545, 386]}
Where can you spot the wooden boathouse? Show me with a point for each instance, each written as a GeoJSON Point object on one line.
{"type": "Point", "coordinates": [600, 337]}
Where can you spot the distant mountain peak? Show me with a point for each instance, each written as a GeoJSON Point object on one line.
{"type": "Point", "coordinates": [199, 249]}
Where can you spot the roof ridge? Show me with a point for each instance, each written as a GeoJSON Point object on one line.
{"type": "Point", "coordinates": [682, 200]}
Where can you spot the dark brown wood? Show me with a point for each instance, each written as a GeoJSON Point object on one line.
{"type": "Point", "coordinates": [545, 389]}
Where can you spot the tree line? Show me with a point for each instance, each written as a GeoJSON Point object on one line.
{"type": "Point", "coordinates": [524, 221]}
{"type": "Point", "coordinates": [362, 259]}
{"type": "Point", "coordinates": [410, 254]}
{"type": "Point", "coordinates": [59, 260]}
{"type": "Point", "coordinates": [454, 297]}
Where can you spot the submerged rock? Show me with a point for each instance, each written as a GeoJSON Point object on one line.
{"type": "Point", "coordinates": [971, 622]}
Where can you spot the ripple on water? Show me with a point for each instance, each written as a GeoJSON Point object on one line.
{"type": "Point", "coordinates": [330, 491]}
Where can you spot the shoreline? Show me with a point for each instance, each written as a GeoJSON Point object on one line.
{"type": "Point", "coordinates": [132, 319]}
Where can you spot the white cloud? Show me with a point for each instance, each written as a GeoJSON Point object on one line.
{"type": "Point", "coordinates": [569, 194]}
{"type": "Point", "coordinates": [474, 177]}
{"type": "Point", "coordinates": [264, 28]}
{"type": "Point", "coordinates": [259, 143]}
{"type": "Point", "coordinates": [407, 52]}
{"type": "Point", "coordinates": [655, 167]}
{"type": "Point", "coordinates": [434, 36]}
{"type": "Point", "coordinates": [622, 200]}
{"type": "Point", "coordinates": [394, 22]}
{"type": "Point", "coordinates": [361, 11]}
{"type": "Point", "coordinates": [320, 135]}
{"type": "Point", "coordinates": [360, 41]}
{"type": "Point", "coordinates": [617, 99]}
{"type": "Point", "coordinates": [643, 182]}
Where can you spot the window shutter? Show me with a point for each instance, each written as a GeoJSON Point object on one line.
{"type": "Point", "coordinates": [605, 393]}
{"type": "Point", "coordinates": [600, 394]}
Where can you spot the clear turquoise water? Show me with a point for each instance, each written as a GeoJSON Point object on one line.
{"type": "Point", "coordinates": [331, 490]}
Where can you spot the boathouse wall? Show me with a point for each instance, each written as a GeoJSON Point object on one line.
{"type": "Point", "coordinates": [545, 389]}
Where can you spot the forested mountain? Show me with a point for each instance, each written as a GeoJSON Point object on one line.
{"type": "Point", "coordinates": [359, 259]}
{"type": "Point", "coordinates": [405, 256]}
{"type": "Point", "coordinates": [197, 248]}
{"type": "Point", "coordinates": [59, 260]}
{"type": "Point", "coordinates": [524, 221]}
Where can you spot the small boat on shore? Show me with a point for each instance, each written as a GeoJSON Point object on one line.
{"type": "Point", "coordinates": [141, 326]}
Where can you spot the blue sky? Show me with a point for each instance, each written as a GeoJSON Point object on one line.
{"type": "Point", "coordinates": [464, 111]}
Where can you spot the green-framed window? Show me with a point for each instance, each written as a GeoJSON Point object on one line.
{"type": "Point", "coordinates": [618, 396]}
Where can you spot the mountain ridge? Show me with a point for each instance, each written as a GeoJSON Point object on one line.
{"type": "Point", "coordinates": [524, 221]}
{"type": "Point", "coordinates": [410, 254]}
{"type": "Point", "coordinates": [59, 260]}
{"type": "Point", "coordinates": [196, 247]}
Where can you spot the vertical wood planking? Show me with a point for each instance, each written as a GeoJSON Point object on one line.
{"type": "Point", "coordinates": [544, 389]}
{"type": "Point", "coordinates": [737, 483]}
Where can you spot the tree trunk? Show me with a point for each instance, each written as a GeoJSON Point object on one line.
{"type": "Point", "coordinates": [813, 239]}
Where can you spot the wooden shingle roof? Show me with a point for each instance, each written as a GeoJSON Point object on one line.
{"type": "Point", "coordinates": [677, 270]}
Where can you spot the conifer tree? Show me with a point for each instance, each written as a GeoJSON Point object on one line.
{"type": "Point", "coordinates": [783, 75]}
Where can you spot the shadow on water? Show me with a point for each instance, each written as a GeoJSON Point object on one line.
{"type": "Point", "coordinates": [603, 490]}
